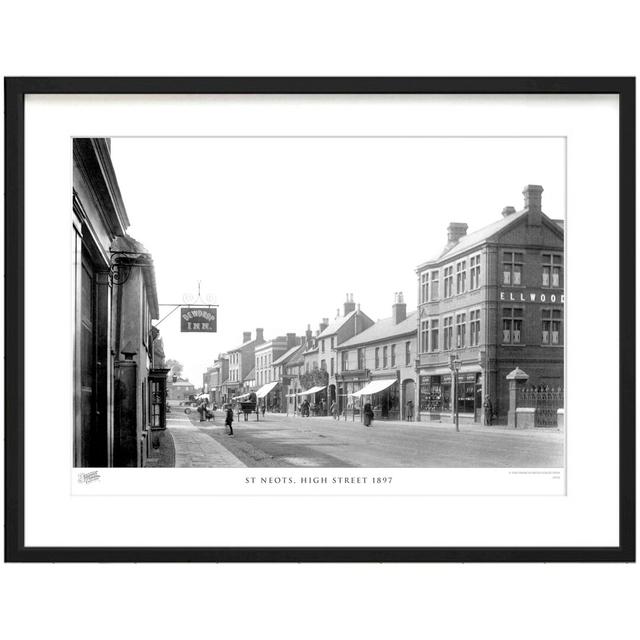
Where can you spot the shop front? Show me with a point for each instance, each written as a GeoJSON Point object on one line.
{"type": "Point", "coordinates": [384, 396]}
{"type": "Point", "coordinates": [439, 397]}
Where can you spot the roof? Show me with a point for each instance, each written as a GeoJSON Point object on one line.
{"type": "Point", "coordinates": [483, 234]}
{"type": "Point", "coordinates": [383, 330]}
{"type": "Point", "coordinates": [250, 376]}
{"type": "Point", "coordinates": [288, 354]}
{"type": "Point", "coordinates": [242, 346]}
{"type": "Point", "coordinates": [339, 322]}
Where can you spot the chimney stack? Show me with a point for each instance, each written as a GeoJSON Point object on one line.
{"type": "Point", "coordinates": [455, 231]}
{"type": "Point", "coordinates": [324, 324]}
{"type": "Point", "coordinates": [246, 337]}
{"type": "Point", "coordinates": [507, 211]}
{"type": "Point", "coordinates": [399, 308]}
{"type": "Point", "coordinates": [349, 304]}
{"type": "Point", "coordinates": [308, 336]}
{"type": "Point", "coordinates": [259, 336]}
{"type": "Point", "coordinates": [292, 341]}
{"type": "Point", "coordinates": [533, 197]}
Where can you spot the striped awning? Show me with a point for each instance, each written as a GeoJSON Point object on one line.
{"type": "Point", "coordinates": [265, 388]}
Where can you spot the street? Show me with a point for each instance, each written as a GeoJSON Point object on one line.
{"type": "Point", "coordinates": [290, 441]}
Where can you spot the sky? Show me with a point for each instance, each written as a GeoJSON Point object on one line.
{"type": "Point", "coordinates": [278, 230]}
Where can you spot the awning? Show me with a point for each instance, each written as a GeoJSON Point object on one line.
{"type": "Point", "coordinates": [244, 395]}
{"type": "Point", "coordinates": [312, 390]}
{"type": "Point", "coordinates": [376, 386]}
{"type": "Point", "coordinates": [264, 389]}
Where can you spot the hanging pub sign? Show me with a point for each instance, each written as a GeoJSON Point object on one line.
{"type": "Point", "coordinates": [198, 320]}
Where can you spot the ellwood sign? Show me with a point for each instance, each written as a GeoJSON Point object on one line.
{"type": "Point", "coordinates": [198, 320]}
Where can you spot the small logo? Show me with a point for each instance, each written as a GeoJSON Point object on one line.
{"type": "Point", "coordinates": [88, 477]}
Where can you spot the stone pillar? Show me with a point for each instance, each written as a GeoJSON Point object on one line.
{"type": "Point", "coordinates": [517, 379]}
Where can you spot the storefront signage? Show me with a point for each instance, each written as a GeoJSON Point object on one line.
{"type": "Point", "coordinates": [198, 320]}
{"type": "Point", "coordinates": [520, 296]}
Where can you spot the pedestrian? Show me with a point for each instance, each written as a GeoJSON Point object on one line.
{"type": "Point", "coordinates": [264, 407]}
{"type": "Point", "coordinates": [228, 421]}
{"type": "Point", "coordinates": [410, 410]}
{"type": "Point", "coordinates": [367, 412]}
{"type": "Point", "coordinates": [201, 410]}
{"type": "Point", "coordinates": [333, 410]}
{"type": "Point", "coordinates": [488, 410]}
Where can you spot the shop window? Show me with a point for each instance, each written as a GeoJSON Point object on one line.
{"type": "Point", "coordinates": [461, 329]}
{"type": "Point", "coordinates": [474, 328]}
{"type": "Point", "coordinates": [466, 392]}
{"type": "Point", "coordinates": [384, 357]}
{"type": "Point", "coordinates": [511, 325]}
{"type": "Point", "coordinates": [448, 333]}
{"type": "Point", "coordinates": [448, 282]}
{"type": "Point", "coordinates": [393, 355]}
{"type": "Point", "coordinates": [512, 268]}
{"type": "Point", "coordinates": [551, 270]}
{"type": "Point", "coordinates": [551, 326]}
{"type": "Point", "coordinates": [474, 272]}
{"type": "Point", "coordinates": [407, 353]}
{"type": "Point", "coordinates": [435, 393]}
{"type": "Point", "coordinates": [435, 343]}
{"type": "Point", "coordinates": [461, 276]}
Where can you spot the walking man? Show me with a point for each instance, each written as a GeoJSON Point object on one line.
{"type": "Point", "coordinates": [228, 421]}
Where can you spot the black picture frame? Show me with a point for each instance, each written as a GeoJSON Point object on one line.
{"type": "Point", "coordinates": [15, 91]}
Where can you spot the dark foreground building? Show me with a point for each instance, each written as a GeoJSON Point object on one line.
{"type": "Point", "coordinates": [118, 377]}
{"type": "Point", "coordinates": [493, 300]}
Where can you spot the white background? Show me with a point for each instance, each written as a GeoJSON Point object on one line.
{"type": "Point", "coordinates": [399, 38]}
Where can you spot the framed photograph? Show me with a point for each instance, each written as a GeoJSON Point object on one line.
{"type": "Point", "coordinates": [320, 319]}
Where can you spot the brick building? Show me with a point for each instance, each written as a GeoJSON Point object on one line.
{"type": "Point", "coordinates": [494, 300]}
{"type": "Point", "coordinates": [378, 364]}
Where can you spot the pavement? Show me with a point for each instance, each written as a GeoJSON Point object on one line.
{"type": "Point", "coordinates": [278, 440]}
{"type": "Point", "coordinates": [194, 447]}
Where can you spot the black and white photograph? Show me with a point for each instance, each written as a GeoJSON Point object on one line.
{"type": "Point", "coordinates": [310, 302]}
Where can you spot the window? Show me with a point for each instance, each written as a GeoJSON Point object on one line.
{"type": "Point", "coordinates": [461, 276]}
{"type": "Point", "coordinates": [333, 343]}
{"type": "Point", "coordinates": [474, 328]}
{"type": "Point", "coordinates": [551, 326]}
{"type": "Point", "coordinates": [512, 268]}
{"type": "Point", "coordinates": [448, 282]}
{"type": "Point", "coordinates": [377, 357]}
{"type": "Point", "coordinates": [551, 270]}
{"type": "Point", "coordinates": [384, 357]}
{"type": "Point", "coordinates": [474, 272]}
{"type": "Point", "coordinates": [332, 369]}
{"type": "Point", "coordinates": [461, 329]}
{"type": "Point", "coordinates": [424, 336]}
{"type": "Point", "coordinates": [345, 361]}
{"type": "Point", "coordinates": [393, 355]}
{"type": "Point", "coordinates": [323, 365]}
{"type": "Point", "coordinates": [435, 289]}
{"type": "Point", "coordinates": [322, 344]}
{"type": "Point", "coordinates": [448, 333]}
{"type": "Point", "coordinates": [435, 345]}
{"type": "Point", "coordinates": [511, 325]}
{"type": "Point", "coordinates": [424, 287]}
{"type": "Point", "coordinates": [435, 393]}
{"type": "Point", "coordinates": [361, 364]}
{"type": "Point", "coordinates": [315, 365]}
{"type": "Point", "coordinates": [407, 353]}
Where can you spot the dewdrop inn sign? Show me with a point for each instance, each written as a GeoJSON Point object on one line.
{"type": "Point", "coordinates": [198, 320]}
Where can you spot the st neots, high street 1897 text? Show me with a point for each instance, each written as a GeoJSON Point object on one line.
{"type": "Point", "coordinates": [342, 479]}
